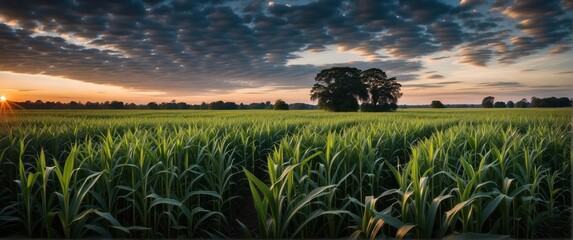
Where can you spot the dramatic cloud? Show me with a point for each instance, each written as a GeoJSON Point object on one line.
{"type": "Point", "coordinates": [439, 58]}
{"type": "Point", "coordinates": [544, 23]}
{"type": "Point", "coordinates": [431, 85]}
{"type": "Point", "coordinates": [193, 47]}
{"type": "Point", "coordinates": [502, 84]}
{"type": "Point", "coordinates": [448, 34]}
{"type": "Point", "coordinates": [560, 49]}
{"type": "Point", "coordinates": [436, 76]}
{"type": "Point", "coordinates": [475, 56]}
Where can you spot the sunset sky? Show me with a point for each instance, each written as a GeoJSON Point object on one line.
{"type": "Point", "coordinates": [252, 51]}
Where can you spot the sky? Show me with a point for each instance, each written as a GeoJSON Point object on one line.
{"type": "Point", "coordinates": [252, 51]}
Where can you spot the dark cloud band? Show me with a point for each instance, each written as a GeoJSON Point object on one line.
{"type": "Point", "coordinates": [198, 46]}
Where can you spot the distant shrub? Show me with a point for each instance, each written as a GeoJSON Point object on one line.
{"type": "Point", "coordinates": [281, 105]}
{"type": "Point", "coordinates": [367, 107]}
{"type": "Point", "coordinates": [437, 104]}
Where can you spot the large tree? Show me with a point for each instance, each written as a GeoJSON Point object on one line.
{"type": "Point", "coordinates": [383, 92]}
{"type": "Point", "coordinates": [338, 89]}
{"type": "Point", "coordinates": [437, 104]}
{"type": "Point", "coordinates": [487, 102]}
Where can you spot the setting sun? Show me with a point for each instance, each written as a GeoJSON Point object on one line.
{"type": "Point", "coordinates": [3, 98]}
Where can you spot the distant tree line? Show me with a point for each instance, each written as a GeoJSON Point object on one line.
{"type": "Point", "coordinates": [173, 105]}
{"type": "Point", "coordinates": [489, 102]}
{"type": "Point", "coordinates": [437, 104]}
{"type": "Point", "coordinates": [551, 102]}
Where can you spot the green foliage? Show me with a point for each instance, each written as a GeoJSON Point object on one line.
{"type": "Point", "coordinates": [551, 102]}
{"type": "Point", "coordinates": [522, 103]}
{"type": "Point", "coordinates": [417, 173]}
{"type": "Point", "coordinates": [499, 105]}
{"type": "Point", "coordinates": [383, 92]}
{"type": "Point", "coordinates": [280, 105]}
{"type": "Point", "coordinates": [488, 102]}
{"type": "Point", "coordinates": [339, 89]}
{"type": "Point", "coordinates": [437, 104]}
{"type": "Point", "coordinates": [220, 105]}
{"type": "Point", "coordinates": [385, 107]}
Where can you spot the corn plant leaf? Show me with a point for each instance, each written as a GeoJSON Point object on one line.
{"type": "Point", "coordinates": [82, 215]}
{"type": "Point", "coordinates": [450, 214]}
{"type": "Point", "coordinates": [520, 189]}
{"type": "Point", "coordinates": [355, 235]}
{"type": "Point", "coordinates": [489, 208]}
{"type": "Point", "coordinates": [431, 215]}
{"type": "Point", "coordinates": [466, 236]}
{"type": "Point", "coordinates": [306, 200]}
{"type": "Point", "coordinates": [402, 231]}
{"type": "Point", "coordinates": [102, 232]}
{"type": "Point", "coordinates": [159, 200]}
{"type": "Point", "coordinates": [389, 219]}
{"type": "Point", "coordinates": [135, 228]}
{"type": "Point", "coordinates": [376, 229]}
{"type": "Point", "coordinates": [315, 214]}
{"type": "Point", "coordinates": [245, 229]}
{"type": "Point", "coordinates": [112, 220]}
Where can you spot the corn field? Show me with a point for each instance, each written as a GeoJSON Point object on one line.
{"type": "Point", "coordinates": [295, 174]}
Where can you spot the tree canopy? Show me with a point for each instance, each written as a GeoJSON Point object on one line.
{"type": "Point", "coordinates": [488, 102]}
{"type": "Point", "coordinates": [383, 92]}
{"type": "Point", "coordinates": [522, 103]}
{"type": "Point", "coordinates": [550, 102]}
{"type": "Point", "coordinates": [280, 105]}
{"type": "Point", "coordinates": [220, 105]}
{"type": "Point", "coordinates": [339, 89]}
{"type": "Point", "coordinates": [499, 105]}
{"type": "Point", "coordinates": [437, 104]}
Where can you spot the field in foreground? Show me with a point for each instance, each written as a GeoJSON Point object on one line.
{"type": "Point", "coordinates": [294, 174]}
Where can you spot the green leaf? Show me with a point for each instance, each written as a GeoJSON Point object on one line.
{"type": "Point", "coordinates": [82, 215]}
{"type": "Point", "coordinates": [489, 208]}
{"type": "Point", "coordinates": [469, 236]}
{"type": "Point", "coordinates": [431, 217]}
{"type": "Point", "coordinates": [389, 219]}
{"type": "Point", "coordinates": [306, 200]}
{"type": "Point", "coordinates": [167, 201]}
{"type": "Point", "coordinates": [315, 214]}
{"type": "Point", "coordinates": [102, 232]}
{"type": "Point", "coordinates": [114, 222]}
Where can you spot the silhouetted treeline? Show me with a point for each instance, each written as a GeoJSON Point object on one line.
{"type": "Point", "coordinates": [550, 102]}
{"type": "Point", "coordinates": [221, 105]}
{"type": "Point", "coordinates": [173, 105]}
{"type": "Point", "coordinates": [301, 106]}
{"type": "Point", "coordinates": [445, 106]}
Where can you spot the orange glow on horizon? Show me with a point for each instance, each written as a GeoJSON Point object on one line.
{"type": "Point", "coordinates": [4, 105]}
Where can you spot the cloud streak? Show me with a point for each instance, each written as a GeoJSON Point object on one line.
{"type": "Point", "coordinates": [502, 84]}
